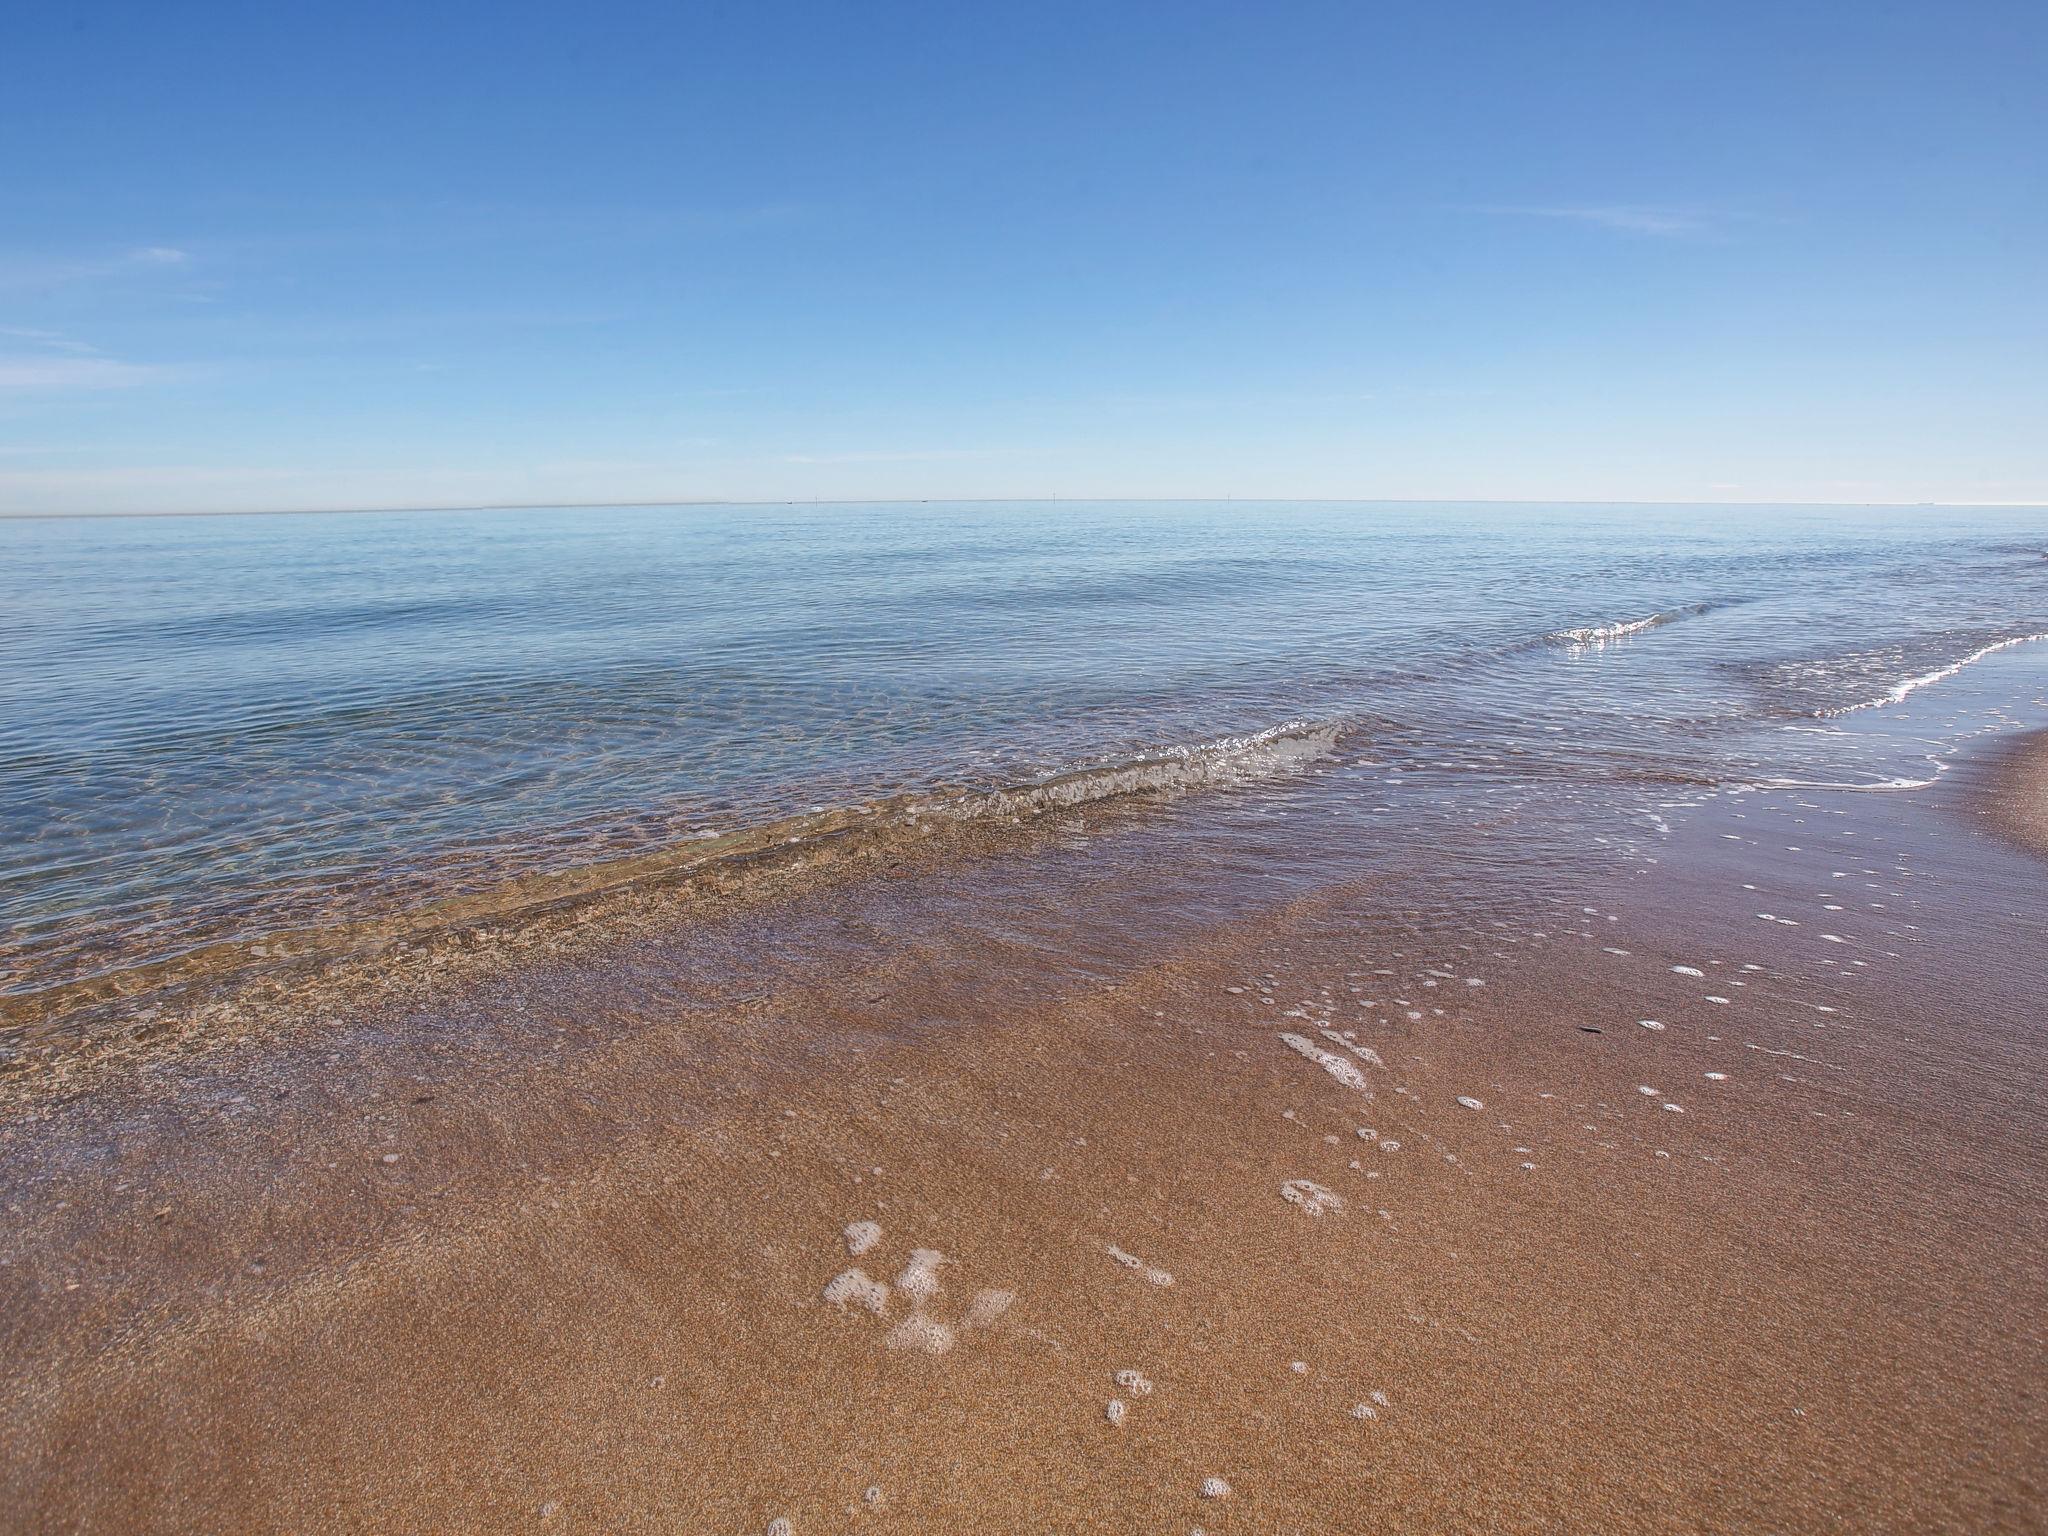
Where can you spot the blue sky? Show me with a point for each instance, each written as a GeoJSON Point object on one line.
{"type": "Point", "coordinates": [374, 255]}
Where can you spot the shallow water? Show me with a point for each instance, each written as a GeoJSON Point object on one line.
{"type": "Point", "coordinates": [217, 728]}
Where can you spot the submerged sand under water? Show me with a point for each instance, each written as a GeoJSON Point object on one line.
{"type": "Point", "coordinates": [1143, 1170]}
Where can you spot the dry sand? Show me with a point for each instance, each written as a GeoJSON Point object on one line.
{"type": "Point", "coordinates": [546, 1245]}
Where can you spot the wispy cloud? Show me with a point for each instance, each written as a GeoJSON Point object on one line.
{"type": "Point", "coordinates": [55, 341]}
{"type": "Point", "coordinates": [30, 271]}
{"type": "Point", "coordinates": [51, 362]}
{"type": "Point", "coordinates": [1649, 219]}
{"type": "Point", "coordinates": [49, 375]}
{"type": "Point", "coordinates": [886, 456]}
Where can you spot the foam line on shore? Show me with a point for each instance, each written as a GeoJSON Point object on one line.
{"type": "Point", "coordinates": [1898, 693]}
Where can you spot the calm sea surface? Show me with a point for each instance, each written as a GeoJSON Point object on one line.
{"type": "Point", "coordinates": [219, 727]}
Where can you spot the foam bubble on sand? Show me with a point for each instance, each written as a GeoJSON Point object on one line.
{"type": "Point", "coordinates": [921, 1333]}
{"type": "Point", "coordinates": [920, 1278]}
{"type": "Point", "coordinates": [873, 1497]}
{"type": "Point", "coordinates": [1215, 1488]}
{"type": "Point", "coordinates": [861, 1236]}
{"type": "Point", "coordinates": [1364, 1053]}
{"type": "Point", "coordinates": [1134, 1382]}
{"type": "Point", "coordinates": [1687, 970]}
{"type": "Point", "coordinates": [1152, 1273]}
{"type": "Point", "coordinates": [1312, 1197]}
{"type": "Point", "coordinates": [1389, 1145]}
{"type": "Point", "coordinates": [1469, 1102]}
{"type": "Point", "coordinates": [779, 1526]}
{"type": "Point", "coordinates": [1115, 1412]}
{"type": "Point", "coordinates": [1717, 1077]}
{"type": "Point", "coordinates": [987, 1307]}
{"type": "Point", "coordinates": [1646, 1090]}
{"type": "Point", "coordinates": [1364, 1411]}
{"type": "Point", "coordinates": [854, 1288]}
{"type": "Point", "coordinates": [1649, 1023]}
{"type": "Point", "coordinates": [1675, 1109]}
{"type": "Point", "coordinates": [1329, 1061]}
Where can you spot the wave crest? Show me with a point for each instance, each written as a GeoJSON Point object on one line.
{"type": "Point", "coordinates": [1589, 635]}
{"type": "Point", "coordinates": [1230, 760]}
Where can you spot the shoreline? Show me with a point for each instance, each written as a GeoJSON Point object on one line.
{"type": "Point", "coordinates": [942, 821]}
{"type": "Point", "coordinates": [542, 1240]}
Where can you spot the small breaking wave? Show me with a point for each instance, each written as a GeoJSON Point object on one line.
{"type": "Point", "coordinates": [1590, 635]}
{"type": "Point", "coordinates": [1213, 764]}
{"type": "Point", "coordinates": [1900, 692]}
{"type": "Point", "coordinates": [886, 826]}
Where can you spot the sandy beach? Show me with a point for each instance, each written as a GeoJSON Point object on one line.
{"type": "Point", "coordinates": [1040, 1191]}
{"type": "Point", "coordinates": [935, 770]}
{"type": "Point", "coordinates": [2015, 797]}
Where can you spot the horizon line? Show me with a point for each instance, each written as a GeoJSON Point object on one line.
{"type": "Point", "coordinates": [884, 501]}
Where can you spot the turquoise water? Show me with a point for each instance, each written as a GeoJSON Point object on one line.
{"type": "Point", "coordinates": [218, 727]}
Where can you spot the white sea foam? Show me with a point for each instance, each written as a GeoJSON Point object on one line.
{"type": "Point", "coordinates": [861, 1236]}
{"type": "Point", "coordinates": [1329, 1061]}
{"type": "Point", "coordinates": [1900, 692]}
{"type": "Point", "coordinates": [920, 1278]}
{"type": "Point", "coordinates": [919, 1332]}
{"type": "Point", "coordinates": [854, 1288]}
{"type": "Point", "coordinates": [1312, 1197]}
{"type": "Point", "coordinates": [1364, 1053]}
{"type": "Point", "coordinates": [987, 1307]}
{"type": "Point", "coordinates": [1881, 786]}
{"type": "Point", "coordinates": [1152, 1274]}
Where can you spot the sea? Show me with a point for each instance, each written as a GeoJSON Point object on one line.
{"type": "Point", "coordinates": [220, 730]}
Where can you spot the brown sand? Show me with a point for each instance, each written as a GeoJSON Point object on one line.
{"type": "Point", "coordinates": [2014, 792]}
{"type": "Point", "coordinates": [584, 1292]}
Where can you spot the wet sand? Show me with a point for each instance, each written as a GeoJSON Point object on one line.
{"type": "Point", "coordinates": [2014, 795]}
{"type": "Point", "coordinates": [542, 1239]}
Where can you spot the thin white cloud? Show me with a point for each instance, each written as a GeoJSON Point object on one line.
{"type": "Point", "coordinates": [43, 374]}
{"type": "Point", "coordinates": [912, 456]}
{"type": "Point", "coordinates": [30, 272]}
{"type": "Point", "coordinates": [55, 341]}
{"type": "Point", "coordinates": [1653, 220]}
